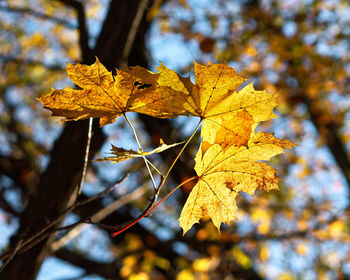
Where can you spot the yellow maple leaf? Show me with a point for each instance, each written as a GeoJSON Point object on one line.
{"type": "Point", "coordinates": [229, 114]}
{"type": "Point", "coordinates": [107, 97]}
{"type": "Point", "coordinates": [223, 173]}
{"type": "Point", "coordinates": [216, 94]}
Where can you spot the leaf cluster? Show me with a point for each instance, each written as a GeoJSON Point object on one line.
{"type": "Point", "coordinates": [231, 155]}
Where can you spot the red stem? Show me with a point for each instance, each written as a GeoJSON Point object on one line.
{"type": "Point", "coordinates": [152, 208]}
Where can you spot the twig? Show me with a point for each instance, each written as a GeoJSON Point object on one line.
{"type": "Point", "coordinates": [28, 61]}
{"type": "Point", "coordinates": [12, 255]}
{"type": "Point", "coordinates": [132, 33]}
{"type": "Point", "coordinates": [152, 204]}
{"type": "Point", "coordinates": [86, 159]}
{"type": "Point", "coordinates": [179, 154]}
{"type": "Point", "coordinates": [99, 216]}
{"type": "Point", "coordinates": [83, 31]}
{"type": "Point", "coordinates": [141, 150]}
{"type": "Point", "coordinates": [38, 15]}
{"type": "Point", "coordinates": [133, 222]}
{"type": "Point", "coordinates": [31, 241]}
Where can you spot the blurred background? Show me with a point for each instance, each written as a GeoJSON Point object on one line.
{"type": "Point", "coordinates": [298, 48]}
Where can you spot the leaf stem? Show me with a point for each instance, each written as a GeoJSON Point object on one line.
{"type": "Point", "coordinates": [155, 168]}
{"type": "Point", "coordinates": [178, 155]}
{"type": "Point", "coordinates": [152, 208]}
{"type": "Point", "coordinates": [152, 205]}
{"type": "Point", "coordinates": [140, 148]}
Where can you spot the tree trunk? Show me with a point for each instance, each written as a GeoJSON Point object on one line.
{"type": "Point", "coordinates": [57, 185]}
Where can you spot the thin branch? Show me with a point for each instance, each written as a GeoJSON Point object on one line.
{"type": "Point", "coordinates": [21, 61]}
{"type": "Point", "coordinates": [152, 204]}
{"type": "Point", "coordinates": [40, 15]}
{"type": "Point", "coordinates": [12, 255]}
{"type": "Point", "coordinates": [155, 168]}
{"type": "Point", "coordinates": [141, 150]}
{"type": "Point", "coordinates": [86, 159]}
{"type": "Point", "coordinates": [133, 222]}
{"type": "Point", "coordinates": [83, 31]}
{"type": "Point", "coordinates": [40, 235]}
{"type": "Point", "coordinates": [132, 33]}
{"type": "Point", "coordinates": [99, 216]}
{"type": "Point", "coordinates": [179, 154]}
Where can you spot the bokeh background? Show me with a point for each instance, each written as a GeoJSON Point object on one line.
{"type": "Point", "coordinates": [298, 48]}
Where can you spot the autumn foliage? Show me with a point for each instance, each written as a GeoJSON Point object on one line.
{"type": "Point", "coordinates": [232, 154]}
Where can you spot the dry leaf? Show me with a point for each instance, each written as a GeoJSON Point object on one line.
{"type": "Point", "coordinates": [223, 173]}
{"type": "Point", "coordinates": [121, 154]}
{"type": "Point", "coordinates": [106, 97]}
{"type": "Point", "coordinates": [215, 97]}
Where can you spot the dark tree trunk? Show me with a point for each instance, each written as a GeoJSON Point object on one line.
{"type": "Point", "coordinates": [58, 183]}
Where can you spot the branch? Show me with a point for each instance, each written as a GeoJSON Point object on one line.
{"type": "Point", "coordinates": [132, 32]}
{"type": "Point", "coordinates": [83, 32]}
{"type": "Point", "coordinates": [4, 58]}
{"type": "Point", "coordinates": [38, 15]}
{"type": "Point", "coordinates": [41, 234]}
{"type": "Point", "coordinates": [99, 216]}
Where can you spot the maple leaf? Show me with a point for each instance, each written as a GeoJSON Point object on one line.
{"type": "Point", "coordinates": [223, 173]}
{"type": "Point", "coordinates": [216, 94]}
{"type": "Point", "coordinates": [227, 111]}
{"type": "Point", "coordinates": [107, 97]}
{"type": "Point", "coordinates": [121, 154]}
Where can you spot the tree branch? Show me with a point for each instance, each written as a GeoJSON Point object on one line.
{"type": "Point", "coordinates": [99, 216]}
{"type": "Point", "coordinates": [83, 32]}
{"type": "Point", "coordinates": [38, 15]}
{"type": "Point", "coordinates": [26, 243]}
{"type": "Point", "coordinates": [57, 67]}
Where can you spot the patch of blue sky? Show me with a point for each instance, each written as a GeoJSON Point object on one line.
{"type": "Point", "coordinates": [272, 76]}
{"type": "Point", "coordinates": [44, 133]}
{"type": "Point", "coordinates": [94, 23]}
{"type": "Point", "coordinates": [318, 183]}
{"type": "Point", "coordinates": [93, 243]}
{"type": "Point", "coordinates": [283, 259]}
{"type": "Point", "coordinates": [340, 99]}
{"type": "Point", "coordinates": [120, 135]}
{"type": "Point", "coordinates": [326, 16]}
{"type": "Point", "coordinates": [244, 225]}
{"type": "Point", "coordinates": [289, 28]}
{"type": "Point", "coordinates": [14, 198]}
{"type": "Point", "coordinates": [171, 49]}
{"type": "Point", "coordinates": [163, 233]}
{"type": "Point", "coordinates": [186, 125]}
{"type": "Point", "coordinates": [235, 65]}
{"type": "Point", "coordinates": [346, 268]}
{"type": "Point", "coordinates": [54, 268]}
{"type": "Point", "coordinates": [7, 229]}
{"type": "Point", "coordinates": [5, 149]}
{"type": "Point", "coordinates": [310, 38]}
{"type": "Point", "coordinates": [273, 267]}
{"type": "Point", "coordinates": [181, 248]}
